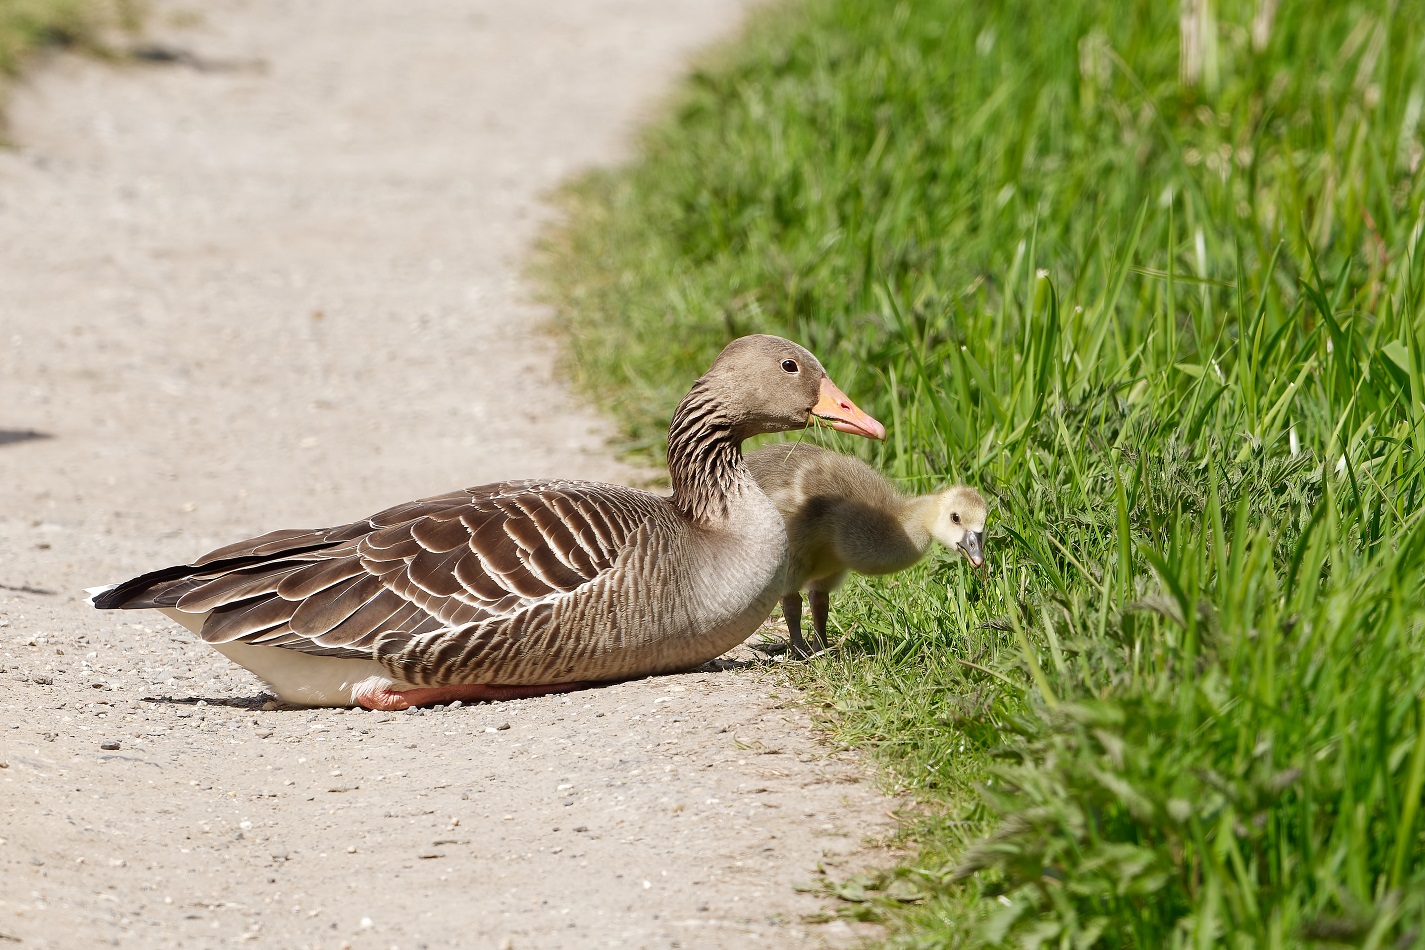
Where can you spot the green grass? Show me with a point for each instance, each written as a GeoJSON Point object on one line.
{"type": "Point", "coordinates": [1174, 326]}
{"type": "Point", "coordinates": [27, 26]}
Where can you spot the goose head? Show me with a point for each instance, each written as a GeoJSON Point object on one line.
{"type": "Point", "coordinates": [768, 384]}
{"type": "Point", "coordinates": [958, 522]}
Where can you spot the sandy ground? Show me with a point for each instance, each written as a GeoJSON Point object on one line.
{"type": "Point", "coordinates": [277, 286]}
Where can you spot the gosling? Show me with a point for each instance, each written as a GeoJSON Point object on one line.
{"type": "Point", "coordinates": [842, 515]}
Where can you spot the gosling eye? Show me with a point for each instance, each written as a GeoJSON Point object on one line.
{"type": "Point", "coordinates": [791, 366]}
{"type": "Point", "coordinates": [955, 517]}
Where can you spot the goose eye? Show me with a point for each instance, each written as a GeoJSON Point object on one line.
{"type": "Point", "coordinates": [955, 517]}
{"type": "Point", "coordinates": [790, 366]}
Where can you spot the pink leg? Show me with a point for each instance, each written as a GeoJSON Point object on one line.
{"type": "Point", "coordinates": [391, 700]}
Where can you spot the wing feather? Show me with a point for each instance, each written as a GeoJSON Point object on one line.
{"type": "Point", "coordinates": [311, 578]}
{"type": "Point", "coordinates": [440, 533]}
{"type": "Point", "coordinates": [425, 573]}
{"type": "Point", "coordinates": [318, 614]}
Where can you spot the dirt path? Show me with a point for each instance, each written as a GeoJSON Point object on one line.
{"type": "Point", "coordinates": [277, 287]}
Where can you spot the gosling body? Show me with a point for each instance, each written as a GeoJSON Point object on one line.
{"type": "Point", "coordinates": [842, 515]}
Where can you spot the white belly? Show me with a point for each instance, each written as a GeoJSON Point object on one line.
{"type": "Point", "coordinates": [297, 677]}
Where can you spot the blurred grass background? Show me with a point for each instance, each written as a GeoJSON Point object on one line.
{"type": "Point", "coordinates": [1150, 274]}
{"type": "Point", "coordinates": [30, 26]}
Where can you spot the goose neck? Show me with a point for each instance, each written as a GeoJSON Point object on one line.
{"type": "Point", "coordinates": [704, 456]}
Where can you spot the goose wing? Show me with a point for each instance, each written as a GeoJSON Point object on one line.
{"type": "Point", "coordinates": [464, 557]}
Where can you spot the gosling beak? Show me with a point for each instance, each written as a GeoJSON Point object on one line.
{"type": "Point", "coordinates": [973, 547]}
{"type": "Point", "coordinates": [842, 414]}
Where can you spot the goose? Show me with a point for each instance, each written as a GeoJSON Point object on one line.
{"type": "Point", "coordinates": [521, 588]}
{"type": "Point", "coordinates": [842, 515]}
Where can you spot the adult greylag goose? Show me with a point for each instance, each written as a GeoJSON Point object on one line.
{"type": "Point", "coordinates": [842, 515]}
{"type": "Point", "coordinates": [521, 588]}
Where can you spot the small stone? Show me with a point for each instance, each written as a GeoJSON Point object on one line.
{"type": "Point", "coordinates": [581, 828]}
{"type": "Point", "coordinates": [43, 680]}
{"type": "Point", "coordinates": [367, 923]}
{"type": "Point", "coordinates": [270, 705]}
{"type": "Point", "coordinates": [110, 745]}
{"type": "Point", "coordinates": [456, 705]}
{"type": "Point", "coordinates": [502, 727]}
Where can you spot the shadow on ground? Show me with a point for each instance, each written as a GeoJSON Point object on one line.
{"type": "Point", "coordinates": [16, 436]}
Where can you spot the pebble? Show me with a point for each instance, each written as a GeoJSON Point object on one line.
{"type": "Point", "coordinates": [110, 745]}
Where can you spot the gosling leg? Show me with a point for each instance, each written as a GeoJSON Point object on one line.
{"type": "Point", "coordinates": [792, 612]}
{"type": "Point", "coordinates": [820, 606]}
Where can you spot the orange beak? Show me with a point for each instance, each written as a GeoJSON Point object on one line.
{"type": "Point", "coordinates": [842, 414]}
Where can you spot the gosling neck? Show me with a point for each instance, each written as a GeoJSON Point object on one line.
{"type": "Point", "coordinates": [918, 517]}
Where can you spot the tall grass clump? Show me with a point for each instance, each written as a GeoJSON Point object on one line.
{"type": "Point", "coordinates": [1152, 275]}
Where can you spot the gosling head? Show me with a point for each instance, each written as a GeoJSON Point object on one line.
{"type": "Point", "coordinates": [959, 522]}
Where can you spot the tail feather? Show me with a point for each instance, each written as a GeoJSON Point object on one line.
{"type": "Point", "coordinates": [164, 587]}
{"type": "Point", "coordinates": [95, 592]}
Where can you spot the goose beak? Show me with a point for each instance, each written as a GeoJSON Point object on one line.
{"type": "Point", "coordinates": [842, 414]}
{"type": "Point", "coordinates": [972, 546]}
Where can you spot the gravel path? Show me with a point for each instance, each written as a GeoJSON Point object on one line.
{"type": "Point", "coordinates": [275, 285]}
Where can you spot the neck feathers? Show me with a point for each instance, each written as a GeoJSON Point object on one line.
{"type": "Point", "coordinates": [918, 518]}
{"type": "Point", "coordinates": [704, 455]}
